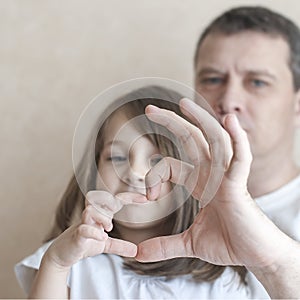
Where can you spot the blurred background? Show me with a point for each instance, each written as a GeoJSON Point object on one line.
{"type": "Point", "coordinates": [55, 57]}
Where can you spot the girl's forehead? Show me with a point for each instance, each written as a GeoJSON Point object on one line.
{"type": "Point", "coordinates": [120, 126]}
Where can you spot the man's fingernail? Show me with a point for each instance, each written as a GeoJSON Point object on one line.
{"type": "Point", "coordinates": [153, 108]}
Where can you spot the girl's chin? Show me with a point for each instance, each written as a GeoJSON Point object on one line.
{"type": "Point", "coordinates": [139, 224]}
{"type": "Point", "coordinates": [145, 215]}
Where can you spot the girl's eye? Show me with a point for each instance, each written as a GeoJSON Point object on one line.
{"type": "Point", "coordinates": [117, 158]}
{"type": "Point", "coordinates": [155, 159]}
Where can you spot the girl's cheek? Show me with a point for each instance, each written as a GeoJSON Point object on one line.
{"type": "Point", "coordinates": [99, 183]}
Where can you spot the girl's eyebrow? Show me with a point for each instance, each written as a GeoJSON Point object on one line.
{"type": "Point", "coordinates": [113, 142]}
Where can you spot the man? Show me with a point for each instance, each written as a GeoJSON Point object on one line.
{"type": "Point", "coordinates": [247, 64]}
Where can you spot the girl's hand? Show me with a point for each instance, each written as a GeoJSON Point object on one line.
{"type": "Point", "coordinates": [89, 237]}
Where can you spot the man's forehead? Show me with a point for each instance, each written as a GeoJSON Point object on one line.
{"type": "Point", "coordinates": [249, 49]}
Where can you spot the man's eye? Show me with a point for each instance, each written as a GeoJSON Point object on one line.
{"type": "Point", "coordinates": [117, 158]}
{"type": "Point", "coordinates": [258, 83]}
{"type": "Point", "coordinates": [211, 80]}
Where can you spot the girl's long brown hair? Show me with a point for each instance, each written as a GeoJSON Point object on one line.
{"type": "Point", "coordinates": [73, 200]}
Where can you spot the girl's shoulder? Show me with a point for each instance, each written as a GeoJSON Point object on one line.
{"type": "Point", "coordinates": [25, 270]}
{"type": "Point", "coordinates": [104, 266]}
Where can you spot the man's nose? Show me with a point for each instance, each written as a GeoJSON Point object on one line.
{"type": "Point", "coordinates": [231, 99]}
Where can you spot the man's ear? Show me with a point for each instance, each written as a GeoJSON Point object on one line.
{"type": "Point", "coordinates": [297, 109]}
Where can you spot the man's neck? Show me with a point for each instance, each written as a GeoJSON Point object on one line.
{"type": "Point", "coordinates": [268, 176]}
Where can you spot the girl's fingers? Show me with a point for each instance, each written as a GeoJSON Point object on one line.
{"type": "Point", "coordinates": [100, 209]}
{"type": "Point", "coordinates": [103, 200]}
{"type": "Point", "coordinates": [120, 247]}
{"type": "Point", "coordinates": [98, 217]}
{"type": "Point", "coordinates": [84, 232]}
{"type": "Point", "coordinates": [168, 169]}
{"type": "Point", "coordinates": [99, 242]}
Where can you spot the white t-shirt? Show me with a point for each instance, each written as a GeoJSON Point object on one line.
{"type": "Point", "coordinates": [104, 277]}
{"type": "Point", "coordinates": [283, 208]}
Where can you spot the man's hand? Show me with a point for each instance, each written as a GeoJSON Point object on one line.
{"type": "Point", "coordinates": [230, 229]}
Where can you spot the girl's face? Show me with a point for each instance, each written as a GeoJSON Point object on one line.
{"type": "Point", "coordinates": [126, 158]}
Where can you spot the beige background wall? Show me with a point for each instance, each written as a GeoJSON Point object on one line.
{"type": "Point", "coordinates": [55, 56]}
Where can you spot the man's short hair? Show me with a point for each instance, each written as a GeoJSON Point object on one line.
{"type": "Point", "coordinates": [258, 19]}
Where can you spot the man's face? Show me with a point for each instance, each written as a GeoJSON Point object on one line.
{"type": "Point", "coordinates": [248, 74]}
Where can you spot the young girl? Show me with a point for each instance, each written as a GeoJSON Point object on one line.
{"type": "Point", "coordinates": [91, 248]}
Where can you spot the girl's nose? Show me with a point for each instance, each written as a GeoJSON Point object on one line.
{"type": "Point", "coordinates": [136, 172]}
